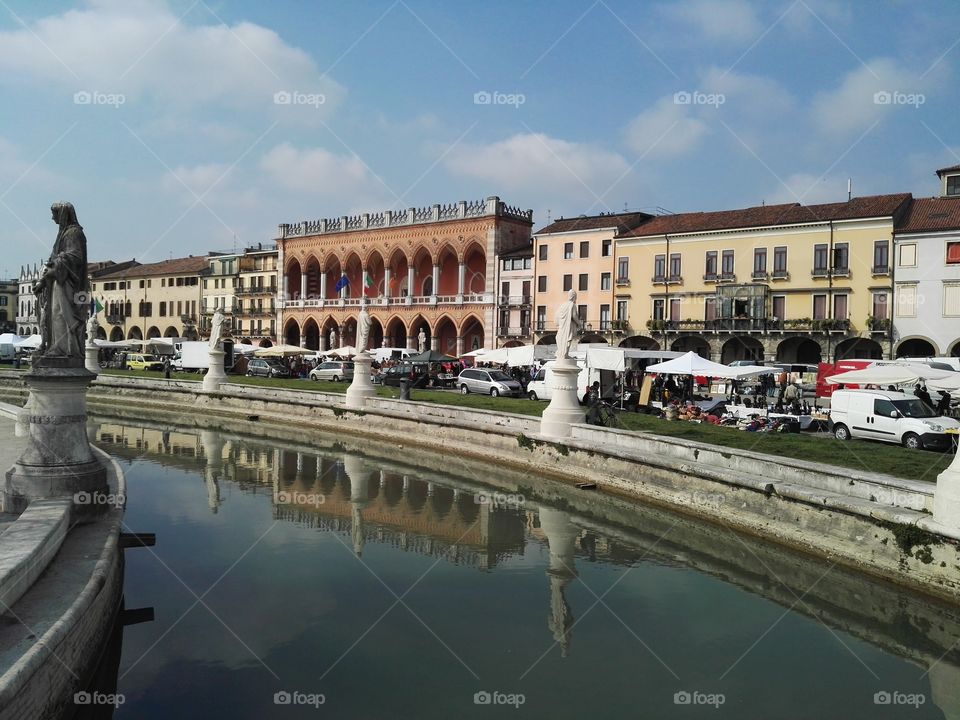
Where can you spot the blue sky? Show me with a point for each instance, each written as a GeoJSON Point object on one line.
{"type": "Point", "coordinates": [160, 119]}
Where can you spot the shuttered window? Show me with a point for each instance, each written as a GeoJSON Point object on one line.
{"type": "Point", "coordinates": [951, 300]}
{"type": "Point", "coordinates": [906, 301]}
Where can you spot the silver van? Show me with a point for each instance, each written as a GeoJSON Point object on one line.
{"type": "Point", "coordinates": [332, 370]}
{"type": "Point", "coordinates": [488, 382]}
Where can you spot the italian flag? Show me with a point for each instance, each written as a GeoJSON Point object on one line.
{"type": "Point", "coordinates": [368, 283]}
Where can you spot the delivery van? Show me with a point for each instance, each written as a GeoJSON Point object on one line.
{"type": "Point", "coordinates": [541, 386]}
{"type": "Point", "coordinates": [893, 417]}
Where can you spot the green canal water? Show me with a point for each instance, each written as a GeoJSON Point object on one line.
{"type": "Point", "coordinates": [324, 577]}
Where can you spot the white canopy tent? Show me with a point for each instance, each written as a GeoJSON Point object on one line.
{"type": "Point", "coordinates": [692, 364]}
{"type": "Point", "coordinates": [281, 351]}
{"type": "Point", "coordinates": [900, 374]}
{"type": "Point", "coordinates": [618, 359]}
{"type": "Point", "coordinates": [30, 343]}
{"type": "Point", "coordinates": [386, 353]}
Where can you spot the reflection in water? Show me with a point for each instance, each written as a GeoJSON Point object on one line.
{"type": "Point", "coordinates": [376, 503]}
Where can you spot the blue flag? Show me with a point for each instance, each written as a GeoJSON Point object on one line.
{"type": "Point", "coordinates": [341, 283]}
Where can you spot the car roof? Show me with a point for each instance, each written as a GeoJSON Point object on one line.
{"type": "Point", "coordinates": [887, 394]}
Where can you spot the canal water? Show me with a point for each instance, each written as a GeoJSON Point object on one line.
{"type": "Point", "coordinates": [326, 577]}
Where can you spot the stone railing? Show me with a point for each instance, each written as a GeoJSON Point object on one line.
{"type": "Point", "coordinates": [461, 210]}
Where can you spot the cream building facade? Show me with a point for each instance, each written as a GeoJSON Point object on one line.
{"type": "Point", "coordinates": [788, 282]}
{"type": "Point", "coordinates": [579, 254]}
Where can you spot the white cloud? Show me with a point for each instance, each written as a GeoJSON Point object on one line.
{"type": "Point", "coordinates": [718, 21]}
{"type": "Point", "coordinates": [316, 171]}
{"type": "Point", "coordinates": [666, 129]}
{"type": "Point", "coordinates": [761, 97]}
{"type": "Point", "coordinates": [854, 104]}
{"type": "Point", "coordinates": [144, 51]}
{"type": "Point", "coordinates": [537, 162]}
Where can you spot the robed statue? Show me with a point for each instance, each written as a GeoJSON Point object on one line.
{"type": "Point", "coordinates": [333, 339]}
{"type": "Point", "coordinates": [61, 290]}
{"type": "Point", "coordinates": [216, 328]}
{"type": "Point", "coordinates": [363, 329]}
{"type": "Point", "coordinates": [422, 340]}
{"type": "Point", "coordinates": [568, 324]}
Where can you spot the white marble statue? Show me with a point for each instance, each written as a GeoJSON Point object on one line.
{"type": "Point", "coordinates": [216, 328]}
{"type": "Point", "coordinates": [92, 326]}
{"type": "Point", "coordinates": [422, 341]}
{"type": "Point", "coordinates": [363, 329]}
{"type": "Point", "coordinates": [333, 339]}
{"type": "Point", "coordinates": [568, 324]}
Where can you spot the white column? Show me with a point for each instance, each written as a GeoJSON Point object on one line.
{"type": "Point", "coordinates": [459, 345]}
{"type": "Point", "coordinates": [286, 286]}
{"type": "Point", "coordinates": [303, 287]}
{"type": "Point", "coordinates": [363, 288]}
{"type": "Point", "coordinates": [436, 279]}
{"type": "Point", "coordinates": [409, 285]}
{"type": "Point", "coordinates": [345, 288]}
{"type": "Point", "coordinates": [323, 285]}
{"type": "Point", "coordinates": [386, 281]}
{"type": "Point", "coordinates": [461, 281]}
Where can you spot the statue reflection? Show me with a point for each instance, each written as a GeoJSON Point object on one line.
{"type": "Point", "coordinates": [212, 443]}
{"type": "Point", "coordinates": [359, 477]}
{"type": "Point", "coordinates": [562, 536]}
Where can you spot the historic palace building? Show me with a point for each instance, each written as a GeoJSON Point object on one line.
{"type": "Point", "coordinates": [431, 269]}
{"type": "Point", "coordinates": [790, 283]}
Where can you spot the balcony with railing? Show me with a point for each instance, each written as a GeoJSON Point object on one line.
{"type": "Point", "coordinates": [623, 282]}
{"type": "Point", "coordinates": [749, 325]}
{"type": "Point", "coordinates": [116, 319]}
{"type": "Point", "coordinates": [439, 300]}
{"type": "Point", "coordinates": [779, 275]}
{"type": "Point", "coordinates": [514, 300]}
{"type": "Point", "coordinates": [256, 290]}
{"type": "Point", "coordinates": [523, 331]}
{"type": "Point", "coordinates": [759, 275]}
{"type": "Point", "coordinates": [880, 270]}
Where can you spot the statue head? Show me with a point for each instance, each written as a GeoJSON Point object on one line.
{"type": "Point", "coordinates": [572, 296]}
{"type": "Point", "coordinates": [63, 214]}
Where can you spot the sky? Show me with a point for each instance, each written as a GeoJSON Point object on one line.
{"type": "Point", "coordinates": [180, 127]}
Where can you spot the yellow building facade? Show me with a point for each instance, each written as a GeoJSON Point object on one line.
{"type": "Point", "coordinates": [787, 283]}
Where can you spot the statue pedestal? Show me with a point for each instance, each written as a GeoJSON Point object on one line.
{"type": "Point", "coordinates": [564, 408]}
{"type": "Point", "coordinates": [57, 461]}
{"type": "Point", "coordinates": [362, 387]}
{"type": "Point", "coordinates": [215, 374]}
{"type": "Point", "coordinates": [946, 501]}
{"type": "Point", "coordinates": [92, 359]}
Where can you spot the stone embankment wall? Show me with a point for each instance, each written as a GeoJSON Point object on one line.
{"type": "Point", "coordinates": [861, 520]}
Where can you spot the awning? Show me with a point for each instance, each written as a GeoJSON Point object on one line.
{"type": "Point", "coordinates": [891, 375]}
{"type": "Point", "coordinates": [692, 364]}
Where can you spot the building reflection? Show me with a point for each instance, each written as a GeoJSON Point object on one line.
{"type": "Point", "coordinates": [371, 501]}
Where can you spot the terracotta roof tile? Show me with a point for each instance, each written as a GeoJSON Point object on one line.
{"type": "Point", "coordinates": [768, 215]}
{"type": "Point", "coordinates": [621, 221]}
{"type": "Point", "coordinates": [177, 266]}
{"type": "Point", "coordinates": [931, 214]}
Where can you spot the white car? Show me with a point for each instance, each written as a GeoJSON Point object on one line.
{"type": "Point", "coordinates": [893, 417]}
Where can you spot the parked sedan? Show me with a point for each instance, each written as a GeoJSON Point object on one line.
{"type": "Point", "coordinates": [262, 367]}
{"type": "Point", "coordinates": [488, 382]}
{"type": "Point", "coordinates": [392, 376]}
{"type": "Point", "coordinates": [331, 370]}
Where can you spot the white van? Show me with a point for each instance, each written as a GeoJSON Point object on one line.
{"type": "Point", "coordinates": [891, 417]}
{"type": "Point", "coordinates": [541, 387]}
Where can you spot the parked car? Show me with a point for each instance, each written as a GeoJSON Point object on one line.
{"type": "Point", "coordinates": [264, 367]}
{"type": "Point", "coordinates": [888, 416]}
{"type": "Point", "coordinates": [488, 382]}
{"type": "Point", "coordinates": [332, 370]}
{"type": "Point", "coordinates": [415, 373]}
{"type": "Point", "coordinates": [141, 361]}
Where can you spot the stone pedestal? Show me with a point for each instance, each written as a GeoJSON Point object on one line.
{"type": "Point", "coordinates": [215, 374]}
{"type": "Point", "coordinates": [564, 408]}
{"type": "Point", "coordinates": [92, 359]}
{"type": "Point", "coordinates": [946, 499]}
{"type": "Point", "coordinates": [362, 387]}
{"type": "Point", "coordinates": [57, 461]}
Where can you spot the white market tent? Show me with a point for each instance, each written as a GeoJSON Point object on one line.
{"type": "Point", "coordinates": [618, 359]}
{"type": "Point", "coordinates": [281, 351]}
{"type": "Point", "coordinates": [746, 371]}
{"type": "Point", "coordinates": [30, 343]}
{"type": "Point", "coordinates": [386, 353]}
{"type": "Point", "coordinates": [900, 374]}
{"type": "Point", "coordinates": [692, 364]}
